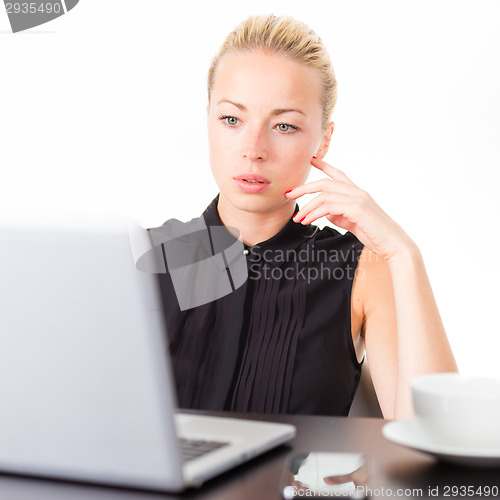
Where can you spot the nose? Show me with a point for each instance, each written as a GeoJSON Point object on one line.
{"type": "Point", "coordinates": [255, 147]}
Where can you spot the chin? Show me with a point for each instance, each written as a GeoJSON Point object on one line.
{"type": "Point", "coordinates": [256, 203]}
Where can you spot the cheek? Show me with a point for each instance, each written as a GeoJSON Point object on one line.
{"type": "Point", "coordinates": [303, 173]}
{"type": "Point", "coordinates": [219, 144]}
{"type": "Point", "coordinates": [298, 159]}
{"type": "Point", "coordinates": [301, 146]}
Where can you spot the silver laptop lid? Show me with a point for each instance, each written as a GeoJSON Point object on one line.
{"type": "Point", "coordinates": [84, 390]}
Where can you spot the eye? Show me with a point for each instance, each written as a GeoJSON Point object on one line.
{"type": "Point", "coordinates": [286, 128]}
{"type": "Point", "coordinates": [230, 120]}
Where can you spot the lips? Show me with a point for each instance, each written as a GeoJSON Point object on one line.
{"type": "Point", "coordinates": [252, 178]}
{"type": "Point", "coordinates": [251, 183]}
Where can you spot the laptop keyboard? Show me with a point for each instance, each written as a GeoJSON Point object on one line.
{"type": "Point", "coordinates": [193, 448]}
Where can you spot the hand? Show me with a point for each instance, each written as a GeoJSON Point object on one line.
{"type": "Point", "coordinates": [349, 207]}
{"type": "Point", "coordinates": [359, 477]}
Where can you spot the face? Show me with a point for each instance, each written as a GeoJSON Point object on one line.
{"type": "Point", "coordinates": [264, 126]}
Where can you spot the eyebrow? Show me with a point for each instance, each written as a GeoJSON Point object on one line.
{"type": "Point", "coordinates": [275, 112]}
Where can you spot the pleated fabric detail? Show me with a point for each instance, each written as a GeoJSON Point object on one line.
{"type": "Point", "coordinates": [276, 318]}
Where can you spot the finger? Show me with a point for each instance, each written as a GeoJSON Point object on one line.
{"type": "Point", "coordinates": [334, 173]}
{"type": "Point", "coordinates": [316, 202]}
{"type": "Point", "coordinates": [322, 185]}
{"type": "Point", "coordinates": [341, 479]}
{"type": "Point", "coordinates": [326, 209]}
{"type": "Point", "coordinates": [311, 187]}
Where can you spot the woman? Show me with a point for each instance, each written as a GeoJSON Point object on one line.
{"type": "Point", "coordinates": [291, 339]}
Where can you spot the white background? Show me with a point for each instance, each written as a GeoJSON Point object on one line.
{"type": "Point", "coordinates": [102, 113]}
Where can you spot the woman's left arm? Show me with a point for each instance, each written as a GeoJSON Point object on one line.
{"type": "Point", "coordinates": [403, 331]}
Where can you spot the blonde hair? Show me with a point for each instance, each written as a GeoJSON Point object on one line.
{"type": "Point", "coordinates": [287, 36]}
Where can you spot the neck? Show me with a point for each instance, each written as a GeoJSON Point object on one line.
{"type": "Point", "coordinates": [255, 227]}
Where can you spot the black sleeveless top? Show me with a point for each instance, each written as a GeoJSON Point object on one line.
{"type": "Point", "coordinates": [281, 342]}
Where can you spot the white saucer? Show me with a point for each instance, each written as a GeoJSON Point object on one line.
{"type": "Point", "coordinates": [409, 433]}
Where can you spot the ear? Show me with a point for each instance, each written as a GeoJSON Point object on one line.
{"type": "Point", "coordinates": [325, 142]}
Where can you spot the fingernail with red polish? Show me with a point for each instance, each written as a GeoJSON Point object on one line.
{"type": "Point", "coordinates": [289, 191]}
{"type": "Point", "coordinates": [302, 219]}
{"type": "Point", "coordinates": [314, 156]}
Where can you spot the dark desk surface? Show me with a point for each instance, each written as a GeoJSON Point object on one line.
{"type": "Point", "coordinates": [395, 471]}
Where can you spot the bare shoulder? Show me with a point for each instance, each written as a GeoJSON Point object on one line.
{"type": "Point", "coordinates": [373, 310]}
{"type": "Point", "coordinates": [371, 281]}
{"type": "Point", "coordinates": [372, 284]}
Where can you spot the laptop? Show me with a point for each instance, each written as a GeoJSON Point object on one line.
{"type": "Point", "coordinates": [86, 390]}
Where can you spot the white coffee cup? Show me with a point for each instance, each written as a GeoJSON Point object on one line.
{"type": "Point", "coordinates": [458, 411]}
